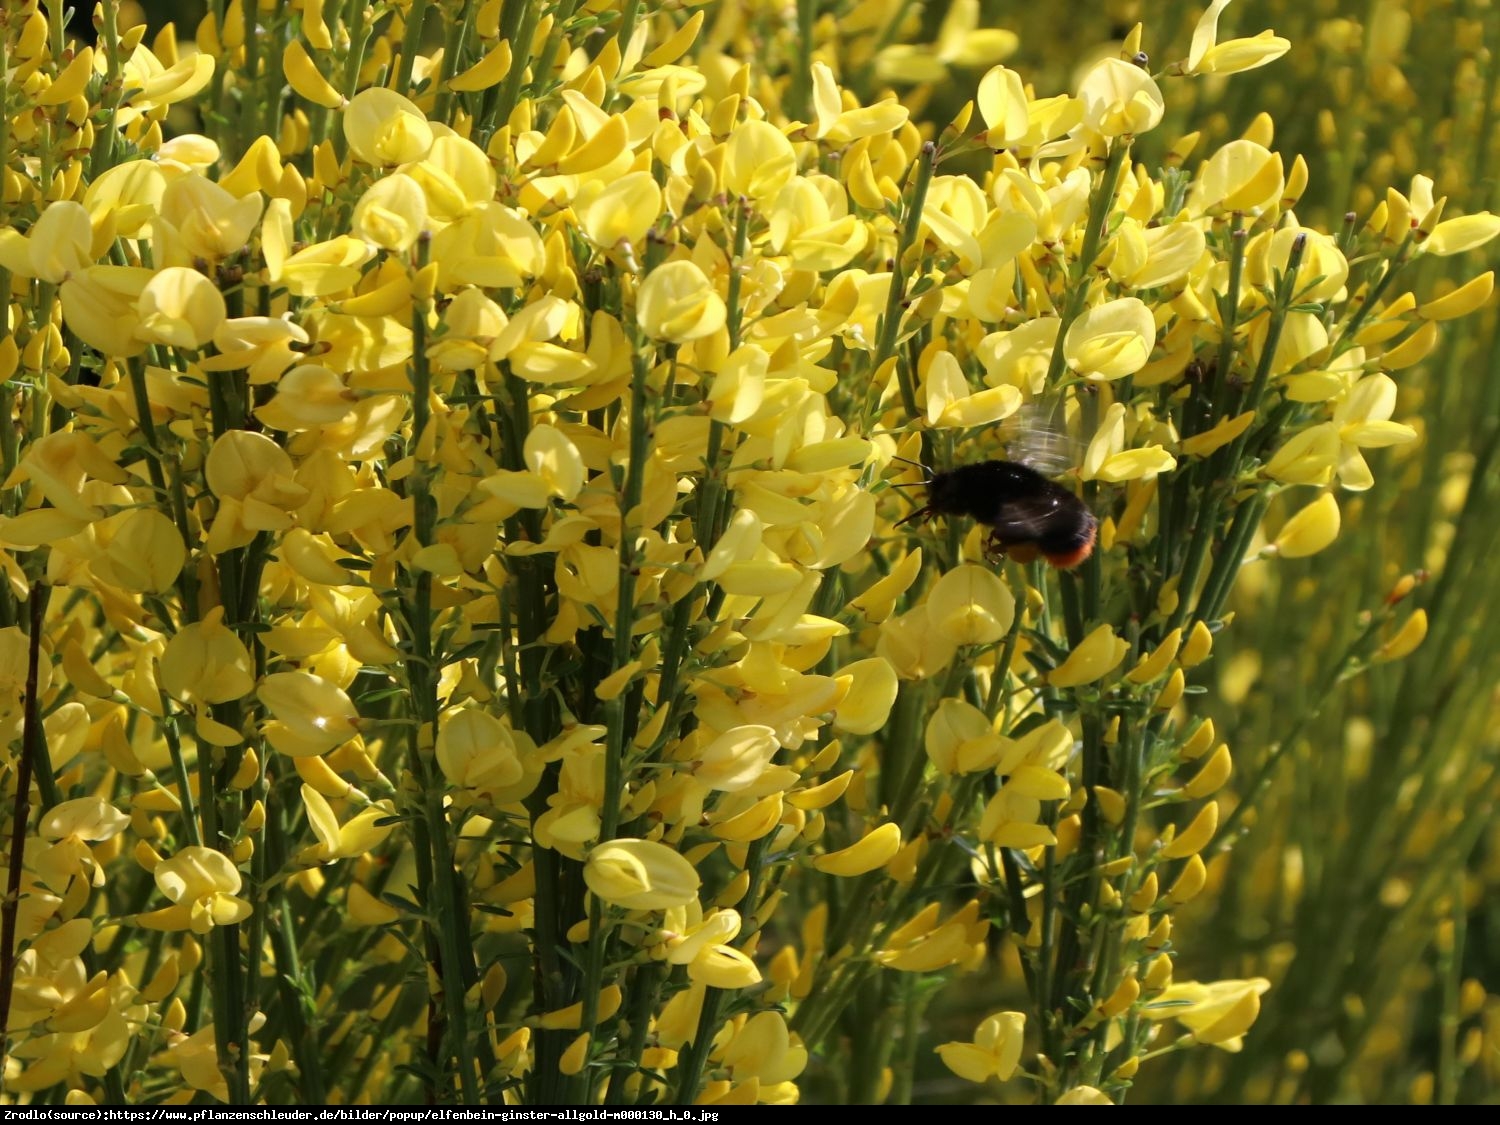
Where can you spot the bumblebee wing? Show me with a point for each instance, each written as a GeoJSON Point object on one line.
{"type": "Point", "coordinates": [1033, 438]}
{"type": "Point", "coordinates": [1026, 520]}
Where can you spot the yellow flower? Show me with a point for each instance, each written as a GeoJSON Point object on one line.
{"type": "Point", "coordinates": [879, 599]}
{"type": "Point", "coordinates": [924, 945]}
{"type": "Point", "coordinates": [834, 124]}
{"type": "Point", "coordinates": [1196, 836]}
{"type": "Point", "coordinates": [205, 662]}
{"type": "Point", "coordinates": [951, 402]}
{"type": "Point", "coordinates": [1323, 272]}
{"type": "Point", "coordinates": [487, 72]}
{"type": "Point", "coordinates": [677, 303]}
{"type": "Point", "coordinates": [622, 211]}
{"type": "Point", "coordinates": [571, 1017]}
{"type": "Point", "coordinates": [205, 221]}
{"type": "Point", "coordinates": [1107, 459]}
{"type": "Point", "coordinates": [196, 1058]}
{"type": "Point", "coordinates": [994, 1052]}
{"type": "Point", "coordinates": [266, 346]}
{"type": "Point", "coordinates": [764, 1048]}
{"type": "Point", "coordinates": [960, 42]}
{"type": "Point", "coordinates": [392, 213]}
{"type": "Point", "coordinates": [970, 605]}
{"type": "Point", "coordinates": [1207, 56]}
{"type": "Point", "coordinates": [455, 176]}
{"type": "Point", "coordinates": [556, 460]}
{"type": "Point", "coordinates": [50, 973]}
{"type": "Point", "coordinates": [913, 646]}
{"type": "Point", "coordinates": [960, 738]}
{"type": "Point", "coordinates": [872, 686]}
{"type": "Point", "coordinates": [1310, 530]}
{"type": "Point", "coordinates": [1361, 419]}
{"type": "Point", "coordinates": [1003, 105]}
{"type": "Point", "coordinates": [1019, 357]}
{"type": "Point", "coordinates": [150, 85]}
{"type": "Point", "coordinates": [874, 849]}
{"type": "Point", "coordinates": [477, 751]}
{"type": "Point", "coordinates": [303, 75]}
{"type": "Point", "coordinates": [1012, 817]}
{"type": "Point", "coordinates": [1454, 236]}
{"type": "Point", "coordinates": [1218, 1013]}
{"type": "Point", "coordinates": [1111, 340]}
{"type": "Point", "coordinates": [71, 827]}
{"type": "Point", "coordinates": [1120, 99]}
{"type": "Point", "coordinates": [129, 193]}
{"type": "Point", "coordinates": [322, 269]}
{"type": "Point", "coordinates": [1406, 640]}
{"type": "Point", "coordinates": [203, 884]}
{"type": "Point", "coordinates": [384, 128]}
{"type": "Point", "coordinates": [1241, 176]}
{"type": "Point", "coordinates": [1156, 663]}
{"type": "Point", "coordinates": [679, 1016]}
{"type": "Point", "coordinates": [99, 305]}
{"type": "Point", "coordinates": [352, 839]}
{"type": "Point", "coordinates": [758, 161]}
{"type": "Point", "coordinates": [94, 1024]}
{"type": "Point", "coordinates": [142, 551]}
{"type": "Point", "coordinates": [179, 307]}
{"type": "Point", "coordinates": [736, 759]}
{"type": "Point", "coordinates": [310, 715]}
{"type": "Point", "coordinates": [1096, 656]}
{"type": "Point", "coordinates": [1156, 256]}
{"type": "Point", "coordinates": [59, 243]}
{"type": "Point", "coordinates": [640, 875]}
{"type": "Point", "coordinates": [307, 397]}
{"type": "Point", "coordinates": [1471, 295]}
{"type": "Point", "coordinates": [1083, 1095]}
{"type": "Point", "coordinates": [709, 957]}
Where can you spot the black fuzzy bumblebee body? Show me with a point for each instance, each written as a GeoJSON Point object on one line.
{"type": "Point", "coordinates": [1028, 514]}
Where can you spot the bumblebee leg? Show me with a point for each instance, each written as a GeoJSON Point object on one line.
{"type": "Point", "coordinates": [995, 549]}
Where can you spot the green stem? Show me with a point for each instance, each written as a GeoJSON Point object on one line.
{"type": "Point", "coordinates": [453, 49]}
{"type": "Point", "coordinates": [890, 320]}
{"type": "Point", "coordinates": [1450, 965]}
{"type": "Point", "coordinates": [136, 369]}
{"type": "Point", "coordinates": [447, 924]}
{"type": "Point", "coordinates": [510, 89]}
{"type": "Point", "coordinates": [690, 1065]}
{"type": "Point", "coordinates": [360, 31]}
{"type": "Point", "coordinates": [1286, 298]}
{"type": "Point", "coordinates": [645, 986]}
{"type": "Point", "coordinates": [416, 17]}
{"type": "Point", "coordinates": [1229, 310]}
{"type": "Point", "coordinates": [32, 738]}
{"type": "Point", "coordinates": [250, 95]}
{"type": "Point", "coordinates": [615, 709]}
{"type": "Point", "coordinates": [1227, 462]}
{"type": "Point", "coordinates": [103, 156]}
{"type": "Point", "coordinates": [1231, 557]}
{"type": "Point", "coordinates": [1347, 338]}
{"type": "Point", "coordinates": [799, 97]}
{"type": "Point", "coordinates": [1100, 202]}
{"type": "Point", "coordinates": [548, 54]}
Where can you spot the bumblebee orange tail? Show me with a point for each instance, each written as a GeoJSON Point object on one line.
{"type": "Point", "coordinates": [1069, 559]}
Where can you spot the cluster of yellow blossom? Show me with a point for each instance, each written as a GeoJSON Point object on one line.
{"type": "Point", "coordinates": [462, 525]}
